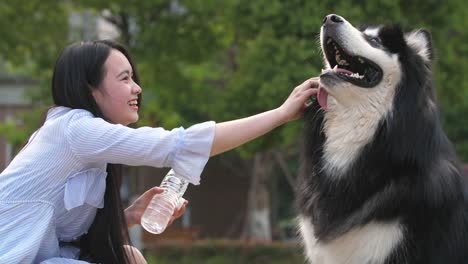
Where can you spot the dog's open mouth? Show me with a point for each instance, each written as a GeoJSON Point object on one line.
{"type": "Point", "coordinates": [354, 69]}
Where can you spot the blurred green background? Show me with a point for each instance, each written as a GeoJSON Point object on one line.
{"type": "Point", "coordinates": [218, 60]}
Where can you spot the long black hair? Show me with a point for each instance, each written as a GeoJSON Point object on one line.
{"type": "Point", "coordinates": [79, 70]}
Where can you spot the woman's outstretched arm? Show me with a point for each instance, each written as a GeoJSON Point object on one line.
{"type": "Point", "coordinates": [231, 134]}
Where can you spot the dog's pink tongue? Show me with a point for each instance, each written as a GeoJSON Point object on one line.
{"type": "Point", "coordinates": [322, 97]}
{"type": "Point", "coordinates": [344, 71]}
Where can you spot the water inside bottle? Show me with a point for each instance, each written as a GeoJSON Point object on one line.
{"type": "Point", "coordinates": [158, 214]}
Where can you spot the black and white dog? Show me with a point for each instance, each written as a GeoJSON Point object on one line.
{"type": "Point", "coordinates": [380, 182]}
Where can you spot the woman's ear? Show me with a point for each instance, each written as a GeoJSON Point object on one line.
{"type": "Point", "coordinates": [97, 95]}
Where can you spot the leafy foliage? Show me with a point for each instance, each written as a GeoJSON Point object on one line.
{"type": "Point", "coordinates": [227, 59]}
{"type": "Point", "coordinates": [32, 34]}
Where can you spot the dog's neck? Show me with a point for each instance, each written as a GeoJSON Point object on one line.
{"type": "Point", "coordinates": [349, 128]}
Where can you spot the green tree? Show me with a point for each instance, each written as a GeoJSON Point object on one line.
{"type": "Point", "coordinates": [33, 32]}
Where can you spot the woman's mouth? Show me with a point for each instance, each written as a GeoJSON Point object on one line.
{"type": "Point", "coordinates": [133, 104]}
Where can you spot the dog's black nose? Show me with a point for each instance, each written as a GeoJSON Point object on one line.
{"type": "Point", "coordinates": [332, 19]}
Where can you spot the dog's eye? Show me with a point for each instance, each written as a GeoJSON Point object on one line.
{"type": "Point", "coordinates": [375, 40]}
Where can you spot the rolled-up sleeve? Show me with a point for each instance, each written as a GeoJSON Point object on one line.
{"type": "Point", "coordinates": [187, 151]}
{"type": "Point", "coordinates": [193, 151]}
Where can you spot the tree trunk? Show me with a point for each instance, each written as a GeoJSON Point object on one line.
{"type": "Point", "coordinates": [258, 222]}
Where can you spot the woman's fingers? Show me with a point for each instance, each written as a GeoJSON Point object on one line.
{"type": "Point", "coordinates": [157, 190]}
{"type": "Point", "coordinates": [178, 212]}
{"type": "Point", "coordinates": [309, 92]}
{"type": "Point", "coordinates": [153, 191]}
{"type": "Point", "coordinates": [181, 210]}
{"type": "Point", "coordinates": [306, 85]}
{"type": "Point", "coordinates": [311, 83]}
{"type": "Point", "coordinates": [149, 194]}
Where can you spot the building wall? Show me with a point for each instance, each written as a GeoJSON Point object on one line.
{"type": "Point", "coordinates": [12, 101]}
{"type": "Point", "coordinates": [6, 112]}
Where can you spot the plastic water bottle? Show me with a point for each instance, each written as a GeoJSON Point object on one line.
{"type": "Point", "coordinates": [162, 206]}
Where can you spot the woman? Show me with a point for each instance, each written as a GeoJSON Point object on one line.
{"type": "Point", "coordinates": [59, 197]}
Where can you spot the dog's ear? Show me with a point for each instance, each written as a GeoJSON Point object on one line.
{"type": "Point", "coordinates": [421, 42]}
{"type": "Point", "coordinates": [392, 38]}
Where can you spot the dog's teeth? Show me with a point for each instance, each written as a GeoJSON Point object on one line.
{"type": "Point", "coordinates": [361, 60]}
{"type": "Point", "coordinates": [336, 67]}
{"type": "Point", "coordinates": [356, 76]}
{"type": "Point", "coordinates": [343, 62]}
{"type": "Point", "coordinates": [329, 41]}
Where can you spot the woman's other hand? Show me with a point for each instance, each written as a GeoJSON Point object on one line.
{"type": "Point", "coordinates": [135, 211]}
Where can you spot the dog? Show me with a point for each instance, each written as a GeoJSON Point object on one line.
{"type": "Point", "coordinates": [379, 182]}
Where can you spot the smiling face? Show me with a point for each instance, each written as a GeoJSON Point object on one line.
{"type": "Point", "coordinates": [117, 95]}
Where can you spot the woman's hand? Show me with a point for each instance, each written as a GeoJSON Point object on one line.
{"type": "Point", "coordinates": [295, 104]}
{"type": "Point", "coordinates": [135, 211]}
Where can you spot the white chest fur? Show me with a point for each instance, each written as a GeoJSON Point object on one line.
{"type": "Point", "coordinates": [346, 133]}
{"type": "Point", "coordinates": [348, 128]}
{"type": "Point", "coordinates": [371, 243]}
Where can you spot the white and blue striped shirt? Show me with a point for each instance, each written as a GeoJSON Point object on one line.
{"type": "Point", "coordinates": [51, 191]}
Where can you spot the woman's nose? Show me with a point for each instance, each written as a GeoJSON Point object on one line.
{"type": "Point", "coordinates": [136, 88]}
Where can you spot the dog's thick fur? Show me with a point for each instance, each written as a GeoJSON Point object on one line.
{"type": "Point", "coordinates": [380, 182]}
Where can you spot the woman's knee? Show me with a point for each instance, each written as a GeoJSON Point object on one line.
{"type": "Point", "coordinates": [135, 255]}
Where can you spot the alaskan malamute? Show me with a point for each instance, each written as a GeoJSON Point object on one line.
{"type": "Point", "coordinates": [380, 182]}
